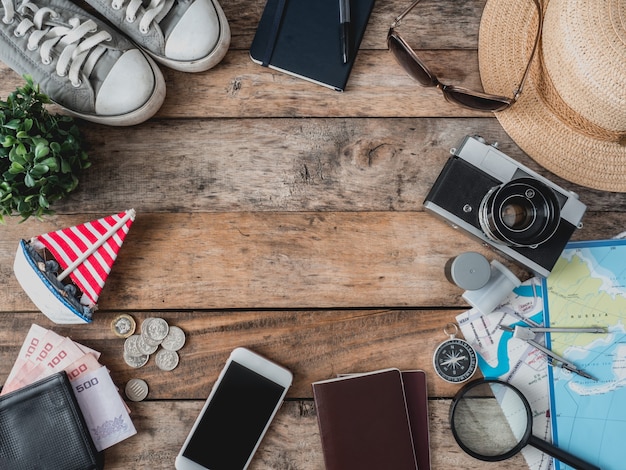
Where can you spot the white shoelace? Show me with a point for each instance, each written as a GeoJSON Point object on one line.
{"type": "Point", "coordinates": [78, 43]}
{"type": "Point", "coordinates": [154, 11]}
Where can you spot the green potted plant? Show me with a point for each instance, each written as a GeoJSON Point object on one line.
{"type": "Point", "coordinates": [40, 154]}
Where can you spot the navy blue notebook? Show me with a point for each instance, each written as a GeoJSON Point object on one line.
{"type": "Point", "coordinates": [303, 38]}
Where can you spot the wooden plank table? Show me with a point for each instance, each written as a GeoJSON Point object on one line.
{"type": "Point", "coordinates": [281, 216]}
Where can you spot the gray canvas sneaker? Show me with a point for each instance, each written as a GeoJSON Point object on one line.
{"type": "Point", "coordinates": [87, 67]}
{"type": "Point", "coordinates": [186, 35]}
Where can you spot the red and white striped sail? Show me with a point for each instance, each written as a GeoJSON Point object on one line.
{"type": "Point", "coordinates": [86, 252]}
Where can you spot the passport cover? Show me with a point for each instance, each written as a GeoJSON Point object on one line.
{"type": "Point", "coordinates": [42, 427]}
{"type": "Point", "coordinates": [364, 422]}
{"type": "Point", "coordinates": [416, 393]}
{"type": "Point", "coordinates": [303, 38]}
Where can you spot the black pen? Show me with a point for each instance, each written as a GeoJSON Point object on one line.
{"type": "Point", "coordinates": [344, 23]}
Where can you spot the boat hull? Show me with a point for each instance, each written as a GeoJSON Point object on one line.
{"type": "Point", "coordinates": [41, 291]}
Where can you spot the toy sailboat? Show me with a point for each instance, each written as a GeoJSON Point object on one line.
{"type": "Point", "coordinates": [85, 253]}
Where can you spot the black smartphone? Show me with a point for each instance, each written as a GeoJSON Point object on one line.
{"type": "Point", "coordinates": [237, 414]}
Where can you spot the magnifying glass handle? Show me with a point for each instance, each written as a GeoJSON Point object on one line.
{"type": "Point", "coordinates": [560, 454]}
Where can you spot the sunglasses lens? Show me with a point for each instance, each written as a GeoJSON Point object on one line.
{"type": "Point", "coordinates": [457, 95]}
{"type": "Point", "coordinates": [412, 66]}
{"type": "Point", "coordinates": [473, 101]}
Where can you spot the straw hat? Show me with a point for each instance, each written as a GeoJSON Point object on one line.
{"type": "Point", "coordinates": [571, 115]}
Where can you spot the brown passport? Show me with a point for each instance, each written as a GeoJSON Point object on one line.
{"type": "Point", "coordinates": [364, 422]}
{"type": "Point", "coordinates": [416, 393]}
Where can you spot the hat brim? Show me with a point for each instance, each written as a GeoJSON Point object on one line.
{"type": "Point", "coordinates": [507, 32]}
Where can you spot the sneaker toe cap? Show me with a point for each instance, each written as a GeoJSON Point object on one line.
{"type": "Point", "coordinates": [196, 34]}
{"type": "Point", "coordinates": [129, 85]}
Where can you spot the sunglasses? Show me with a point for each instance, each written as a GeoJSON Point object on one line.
{"type": "Point", "coordinates": [408, 59]}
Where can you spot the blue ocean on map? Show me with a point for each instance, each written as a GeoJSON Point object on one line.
{"type": "Point", "coordinates": [503, 365]}
{"type": "Point", "coordinates": [579, 403]}
{"type": "Point", "coordinates": [589, 417]}
{"type": "Point", "coordinates": [607, 264]}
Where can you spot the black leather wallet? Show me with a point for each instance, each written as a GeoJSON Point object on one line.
{"type": "Point", "coordinates": [42, 427]}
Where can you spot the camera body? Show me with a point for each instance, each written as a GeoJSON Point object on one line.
{"type": "Point", "coordinates": [505, 205]}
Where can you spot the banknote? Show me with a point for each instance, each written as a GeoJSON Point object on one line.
{"type": "Point", "coordinates": [45, 352]}
{"type": "Point", "coordinates": [53, 357]}
{"type": "Point", "coordinates": [85, 364]}
{"type": "Point", "coordinates": [103, 408]}
{"type": "Point", "coordinates": [33, 339]}
{"type": "Point", "coordinates": [86, 350]}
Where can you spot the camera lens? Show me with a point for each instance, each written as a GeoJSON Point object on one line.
{"type": "Point", "coordinates": [517, 213]}
{"type": "Point", "coordinates": [522, 212]}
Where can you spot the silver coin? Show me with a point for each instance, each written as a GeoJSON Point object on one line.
{"type": "Point", "coordinates": [157, 329]}
{"type": "Point", "coordinates": [166, 360]}
{"type": "Point", "coordinates": [149, 341]}
{"type": "Point", "coordinates": [136, 361]}
{"type": "Point", "coordinates": [145, 324]}
{"type": "Point", "coordinates": [174, 340]}
{"type": "Point", "coordinates": [130, 346]}
{"type": "Point", "coordinates": [136, 389]}
{"type": "Point", "coordinates": [145, 347]}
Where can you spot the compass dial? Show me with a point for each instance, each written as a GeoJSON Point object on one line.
{"type": "Point", "coordinates": [455, 360]}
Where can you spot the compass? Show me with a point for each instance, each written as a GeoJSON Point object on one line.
{"type": "Point", "coordinates": [454, 359]}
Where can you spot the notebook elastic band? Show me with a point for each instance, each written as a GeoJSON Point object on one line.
{"type": "Point", "coordinates": [278, 16]}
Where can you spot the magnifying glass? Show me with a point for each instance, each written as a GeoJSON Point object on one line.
{"type": "Point", "coordinates": [491, 420]}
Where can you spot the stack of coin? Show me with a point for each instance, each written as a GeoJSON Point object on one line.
{"type": "Point", "coordinates": [156, 337]}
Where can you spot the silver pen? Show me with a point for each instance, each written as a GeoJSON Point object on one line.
{"type": "Point", "coordinates": [593, 329]}
{"type": "Point", "coordinates": [345, 25]}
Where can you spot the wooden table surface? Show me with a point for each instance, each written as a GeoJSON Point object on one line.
{"type": "Point", "coordinates": [285, 217]}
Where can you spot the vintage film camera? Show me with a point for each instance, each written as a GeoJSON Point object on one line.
{"type": "Point", "coordinates": [505, 205]}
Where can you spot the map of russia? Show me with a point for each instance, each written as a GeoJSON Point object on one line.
{"type": "Point", "coordinates": [587, 287]}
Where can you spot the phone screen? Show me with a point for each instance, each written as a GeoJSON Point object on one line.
{"type": "Point", "coordinates": [234, 420]}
